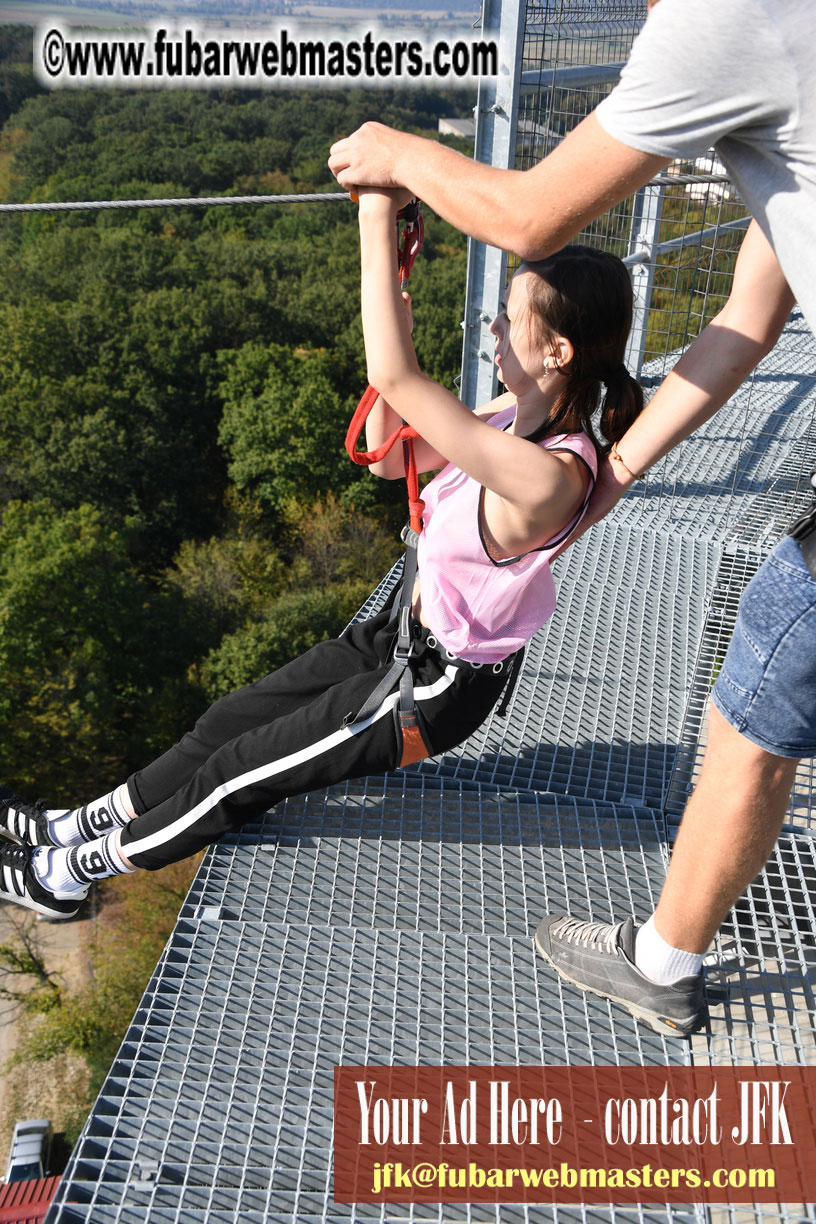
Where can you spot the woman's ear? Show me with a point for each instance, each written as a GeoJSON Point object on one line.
{"type": "Point", "coordinates": [562, 352]}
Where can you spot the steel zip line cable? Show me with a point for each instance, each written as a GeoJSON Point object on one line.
{"type": "Point", "coordinates": [174, 202]}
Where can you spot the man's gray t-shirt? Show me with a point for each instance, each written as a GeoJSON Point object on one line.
{"type": "Point", "coordinates": [740, 75]}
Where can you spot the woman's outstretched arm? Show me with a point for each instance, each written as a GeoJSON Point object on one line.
{"type": "Point", "coordinates": [526, 477]}
{"type": "Point", "coordinates": [381, 424]}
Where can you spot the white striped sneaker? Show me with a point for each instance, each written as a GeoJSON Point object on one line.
{"type": "Point", "coordinates": [26, 822]}
{"type": "Point", "coordinates": [19, 884]}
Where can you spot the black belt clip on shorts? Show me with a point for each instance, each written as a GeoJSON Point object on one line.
{"type": "Point", "coordinates": [804, 532]}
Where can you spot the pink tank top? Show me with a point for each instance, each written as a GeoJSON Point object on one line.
{"type": "Point", "coordinates": [480, 609]}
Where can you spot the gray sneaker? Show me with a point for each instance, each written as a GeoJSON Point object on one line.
{"type": "Point", "coordinates": [600, 957]}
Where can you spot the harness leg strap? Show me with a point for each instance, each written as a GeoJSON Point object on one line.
{"type": "Point", "coordinates": [414, 747]}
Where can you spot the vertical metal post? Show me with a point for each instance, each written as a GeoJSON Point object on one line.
{"type": "Point", "coordinates": [496, 121]}
{"type": "Point", "coordinates": [644, 236]}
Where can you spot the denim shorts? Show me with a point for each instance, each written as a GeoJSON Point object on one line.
{"type": "Point", "coordinates": [767, 686]}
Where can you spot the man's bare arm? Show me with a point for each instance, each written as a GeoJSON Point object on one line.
{"type": "Point", "coordinates": [530, 212]}
{"type": "Point", "coordinates": [707, 374]}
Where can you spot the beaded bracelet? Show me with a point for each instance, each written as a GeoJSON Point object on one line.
{"type": "Point", "coordinates": [615, 454]}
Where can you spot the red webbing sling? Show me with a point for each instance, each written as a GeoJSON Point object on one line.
{"type": "Point", "coordinates": [414, 747]}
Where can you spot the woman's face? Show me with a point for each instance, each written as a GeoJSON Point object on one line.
{"type": "Point", "coordinates": [521, 356]}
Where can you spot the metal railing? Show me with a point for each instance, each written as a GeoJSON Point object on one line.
{"type": "Point", "coordinates": [540, 95]}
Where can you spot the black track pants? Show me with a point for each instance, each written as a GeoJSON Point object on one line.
{"type": "Point", "coordinates": [289, 733]}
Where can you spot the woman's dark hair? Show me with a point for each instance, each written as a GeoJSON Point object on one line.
{"type": "Point", "coordinates": [585, 295]}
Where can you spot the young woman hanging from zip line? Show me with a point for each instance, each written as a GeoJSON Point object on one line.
{"type": "Point", "coordinates": [422, 674]}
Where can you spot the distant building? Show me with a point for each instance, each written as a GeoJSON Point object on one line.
{"type": "Point", "coordinates": [709, 163]}
{"type": "Point", "coordinates": [532, 137]}
{"type": "Point", "coordinates": [466, 128]}
{"type": "Point", "coordinates": [536, 139]}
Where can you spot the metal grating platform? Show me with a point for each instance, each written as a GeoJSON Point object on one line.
{"type": "Point", "coordinates": [735, 571]}
{"type": "Point", "coordinates": [761, 974]}
{"type": "Point", "coordinates": [600, 704]}
{"type": "Point", "coordinates": [412, 947]}
{"type": "Point", "coordinates": [742, 477]}
{"type": "Point", "coordinates": [436, 857]}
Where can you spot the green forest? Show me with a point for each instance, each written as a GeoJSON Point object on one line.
{"type": "Point", "coordinates": [177, 513]}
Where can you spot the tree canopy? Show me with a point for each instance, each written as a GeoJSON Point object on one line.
{"type": "Point", "coordinates": [176, 508]}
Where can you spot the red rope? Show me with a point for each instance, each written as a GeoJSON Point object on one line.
{"type": "Point", "coordinates": [412, 238]}
{"type": "Point", "coordinates": [405, 434]}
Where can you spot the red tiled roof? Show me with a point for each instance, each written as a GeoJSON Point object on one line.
{"type": "Point", "coordinates": [26, 1202]}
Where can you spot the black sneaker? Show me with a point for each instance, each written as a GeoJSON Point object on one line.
{"type": "Point", "coordinates": [19, 884]}
{"type": "Point", "coordinates": [600, 957]}
{"type": "Point", "coordinates": [24, 822]}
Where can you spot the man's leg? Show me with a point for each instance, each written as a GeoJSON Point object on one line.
{"type": "Point", "coordinates": [763, 721]}
{"type": "Point", "coordinates": [729, 828]}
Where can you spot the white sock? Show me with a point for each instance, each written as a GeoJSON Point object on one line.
{"type": "Point", "coordinates": [72, 869]}
{"type": "Point", "coordinates": [94, 820]}
{"type": "Point", "coordinates": [659, 961]}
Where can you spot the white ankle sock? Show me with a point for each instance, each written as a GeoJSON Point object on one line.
{"type": "Point", "coordinates": [72, 869]}
{"type": "Point", "coordinates": [50, 868]}
{"type": "Point", "coordinates": [94, 820]}
{"type": "Point", "coordinates": [659, 961]}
